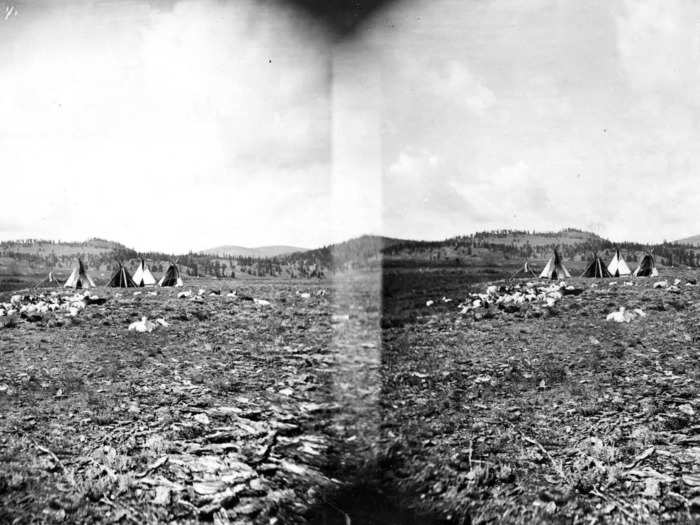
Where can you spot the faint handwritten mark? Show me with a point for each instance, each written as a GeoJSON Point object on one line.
{"type": "Point", "coordinates": [10, 10]}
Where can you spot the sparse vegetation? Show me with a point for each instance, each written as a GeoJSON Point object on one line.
{"type": "Point", "coordinates": [513, 418]}
{"type": "Point", "coordinates": [25, 261]}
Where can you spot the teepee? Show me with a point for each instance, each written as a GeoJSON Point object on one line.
{"type": "Point", "coordinates": [596, 268]}
{"type": "Point", "coordinates": [555, 268]}
{"type": "Point", "coordinates": [524, 271]}
{"type": "Point", "coordinates": [79, 278]}
{"type": "Point", "coordinates": [618, 266]}
{"type": "Point", "coordinates": [646, 267]}
{"type": "Point", "coordinates": [171, 277]}
{"type": "Point", "coordinates": [143, 276]}
{"type": "Point", "coordinates": [49, 282]}
{"type": "Point", "coordinates": [121, 278]}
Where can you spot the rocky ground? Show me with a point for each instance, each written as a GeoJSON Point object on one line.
{"type": "Point", "coordinates": [226, 414]}
{"type": "Point", "coordinates": [387, 403]}
{"type": "Point", "coordinates": [546, 414]}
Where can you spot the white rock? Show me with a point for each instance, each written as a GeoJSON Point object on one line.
{"type": "Point", "coordinates": [618, 317]}
{"type": "Point", "coordinates": [144, 325]}
{"type": "Point", "coordinates": [202, 418]}
{"type": "Point", "coordinates": [687, 409]}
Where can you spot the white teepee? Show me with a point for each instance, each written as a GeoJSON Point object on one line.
{"type": "Point", "coordinates": [618, 266]}
{"type": "Point", "coordinates": [79, 278]}
{"type": "Point", "coordinates": [555, 268]}
{"type": "Point", "coordinates": [143, 276]}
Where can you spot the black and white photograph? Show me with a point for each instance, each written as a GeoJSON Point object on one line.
{"type": "Point", "coordinates": [395, 262]}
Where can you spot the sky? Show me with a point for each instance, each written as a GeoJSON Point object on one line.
{"type": "Point", "coordinates": [541, 115]}
{"type": "Point", "coordinates": [184, 125]}
{"type": "Point", "coordinates": [175, 126]}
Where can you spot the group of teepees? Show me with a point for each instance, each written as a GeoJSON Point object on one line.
{"type": "Point", "coordinates": [121, 278]}
{"type": "Point", "coordinates": [555, 268]}
{"type": "Point", "coordinates": [618, 267]}
{"type": "Point", "coordinates": [143, 277]}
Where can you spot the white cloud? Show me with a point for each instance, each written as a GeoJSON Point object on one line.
{"type": "Point", "coordinates": [113, 119]}
{"type": "Point", "coordinates": [413, 164]}
{"type": "Point", "coordinates": [453, 81]}
{"type": "Point", "coordinates": [238, 123]}
{"type": "Point", "coordinates": [659, 46]}
{"type": "Point", "coordinates": [419, 192]}
{"type": "Point", "coordinates": [543, 116]}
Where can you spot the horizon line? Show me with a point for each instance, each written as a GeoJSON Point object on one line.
{"type": "Point", "coordinates": [442, 239]}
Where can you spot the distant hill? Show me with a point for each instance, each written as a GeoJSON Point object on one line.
{"type": "Point", "coordinates": [31, 257]}
{"type": "Point", "coordinates": [23, 261]}
{"type": "Point", "coordinates": [566, 237]}
{"type": "Point", "coordinates": [509, 248]}
{"type": "Point", "coordinates": [60, 249]}
{"type": "Point", "coordinates": [693, 241]}
{"type": "Point", "coordinates": [359, 252]}
{"type": "Point", "coordinates": [262, 251]}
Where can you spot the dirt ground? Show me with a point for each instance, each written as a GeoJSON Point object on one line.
{"type": "Point", "coordinates": [560, 418]}
{"type": "Point", "coordinates": [227, 414]}
{"type": "Point", "coordinates": [359, 405]}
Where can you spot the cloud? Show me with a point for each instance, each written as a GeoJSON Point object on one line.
{"type": "Point", "coordinates": [659, 48]}
{"type": "Point", "coordinates": [453, 81]}
{"type": "Point", "coordinates": [9, 226]}
{"type": "Point", "coordinates": [419, 194]}
{"type": "Point", "coordinates": [510, 196]}
{"type": "Point", "coordinates": [542, 116]}
{"type": "Point", "coordinates": [124, 114]}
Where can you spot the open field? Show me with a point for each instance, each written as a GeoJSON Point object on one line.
{"type": "Point", "coordinates": [362, 403]}
{"type": "Point", "coordinates": [558, 417]}
{"type": "Point", "coordinates": [227, 414]}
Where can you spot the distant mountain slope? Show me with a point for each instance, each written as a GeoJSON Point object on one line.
{"type": "Point", "coordinates": [261, 251]}
{"type": "Point", "coordinates": [693, 241]}
{"type": "Point", "coordinates": [502, 248]}
{"type": "Point", "coordinates": [34, 256]}
{"type": "Point", "coordinates": [566, 237]}
{"type": "Point", "coordinates": [58, 248]}
{"type": "Point", "coordinates": [359, 252]}
{"type": "Point", "coordinates": [509, 248]}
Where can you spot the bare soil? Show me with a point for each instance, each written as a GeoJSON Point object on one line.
{"type": "Point", "coordinates": [560, 418]}
{"type": "Point", "coordinates": [224, 415]}
{"type": "Point", "coordinates": [363, 405]}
